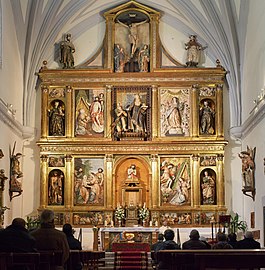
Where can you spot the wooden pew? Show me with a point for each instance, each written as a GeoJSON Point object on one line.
{"type": "Point", "coordinates": [205, 259]}
{"type": "Point", "coordinates": [19, 260]}
{"type": "Point", "coordinates": [91, 259]}
{"type": "Point", "coordinates": [49, 260]}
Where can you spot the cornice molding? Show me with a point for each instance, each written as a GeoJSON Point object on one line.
{"type": "Point", "coordinates": [7, 117]}
{"type": "Point", "coordinates": [256, 116]}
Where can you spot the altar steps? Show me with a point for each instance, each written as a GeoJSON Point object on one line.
{"type": "Point", "coordinates": [128, 262]}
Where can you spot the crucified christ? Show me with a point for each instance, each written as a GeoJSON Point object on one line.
{"type": "Point", "coordinates": [133, 34]}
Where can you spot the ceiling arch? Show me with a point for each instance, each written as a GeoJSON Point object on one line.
{"type": "Point", "coordinates": [40, 24]}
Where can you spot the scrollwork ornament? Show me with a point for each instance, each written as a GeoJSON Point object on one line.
{"type": "Point", "coordinates": [44, 158]}
{"type": "Point", "coordinates": [109, 158]}
{"type": "Point", "coordinates": [195, 157]}
{"type": "Point", "coordinates": [220, 157]}
{"type": "Point", "coordinates": [68, 158]}
{"type": "Point", "coordinates": [44, 88]}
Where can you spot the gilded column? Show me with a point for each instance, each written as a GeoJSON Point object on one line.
{"type": "Point", "coordinates": [155, 59]}
{"type": "Point", "coordinates": [109, 182]}
{"type": "Point", "coordinates": [44, 110]}
{"type": "Point", "coordinates": [196, 183]}
{"type": "Point", "coordinates": [155, 194]}
{"type": "Point", "coordinates": [219, 108]}
{"type": "Point", "coordinates": [155, 111]}
{"type": "Point", "coordinates": [69, 129]}
{"type": "Point", "coordinates": [109, 40]}
{"type": "Point", "coordinates": [109, 109]}
{"type": "Point", "coordinates": [195, 111]}
{"type": "Point", "coordinates": [68, 188]}
{"type": "Point", "coordinates": [43, 181]}
{"type": "Point", "coordinates": [220, 181]}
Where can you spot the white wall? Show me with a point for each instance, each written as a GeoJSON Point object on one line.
{"type": "Point", "coordinates": [11, 92]}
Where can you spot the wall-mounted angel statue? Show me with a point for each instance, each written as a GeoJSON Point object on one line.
{"type": "Point", "coordinates": [248, 169]}
{"type": "Point", "coordinates": [16, 174]}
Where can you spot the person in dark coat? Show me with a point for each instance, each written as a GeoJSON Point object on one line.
{"type": "Point", "coordinates": [49, 238]}
{"type": "Point", "coordinates": [16, 238]}
{"type": "Point", "coordinates": [194, 242]}
{"type": "Point", "coordinates": [222, 242]}
{"type": "Point", "coordinates": [160, 239]}
{"type": "Point", "coordinates": [232, 240]}
{"type": "Point", "coordinates": [168, 244]}
{"type": "Point", "coordinates": [74, 244]}
{"type": "Point", "coordinates": [248, 242]}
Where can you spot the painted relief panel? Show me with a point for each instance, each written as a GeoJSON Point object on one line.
{"type": "Point", "coordinates": [89, 181]}
{"type": "Point", "coordinates": [175, 181]}
{"type": "Point", "coordinates": [89, 112]}
{"type": "Point", "coordinates": [90, 218]}
{"type": "Point", "coordinates": [132, 113]}
{"type": "Point", "coordinates": [56, 161]}
{"type": "Point", "coordinates": [56, 187]}
{"type": "Point", "coordinates": [208, 161]}
{"type": "Point", "coordinates": [174, 112]}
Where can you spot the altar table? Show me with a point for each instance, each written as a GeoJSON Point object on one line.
{"type": "Point", "coordinates": [111, 235]}
{"type": "Point", "coordinates": [131, 246]}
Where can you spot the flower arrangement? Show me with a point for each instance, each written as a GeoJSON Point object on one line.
{"type": "Point", "coordinates": [120, 213]}
{"type": "Point", "coordinates": [143, 213]}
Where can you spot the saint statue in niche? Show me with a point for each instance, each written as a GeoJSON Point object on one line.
{"type": "Point", "coordinates": [56, 119]}
{"type": "Point", "coordinates": [208, 187]}
{"type": "Point", "coordinates": [56, 187]}
{"type": "Point", "coordinates": [207, 116]}
{"type": "Point", "coordinates": [132, 179]}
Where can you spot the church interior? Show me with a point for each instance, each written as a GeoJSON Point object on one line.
{"type": "Point", "coordinates": [133, 114]}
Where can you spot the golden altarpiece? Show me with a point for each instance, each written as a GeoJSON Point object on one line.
{"type": "Point", "coordinates": [126, 128]}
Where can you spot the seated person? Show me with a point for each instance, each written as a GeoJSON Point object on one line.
{"type": "Point", "coordinates": [232, 240]}
{"type": "Point", "coordinates": [16, 238]}
{"type": "Point", "coordinates": [222, 242]}
{"type": "Point", "coordinates": [204, 240]}
{"type": "Point", "coordinates": [194, 242]}
{"type": "Point", "coordinates": [160, 239]}
{"type": "Point", "coordinates": [168, 244]}
{"type": "Point", "coordinates": [49, 238]}
{"type": "Point", "coordinates": [248, 242]}
{"type": "Point", "coordinates": [74, 244]}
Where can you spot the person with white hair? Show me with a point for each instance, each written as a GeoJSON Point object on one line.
{"type": "Point", "coordinates": [248, 242]}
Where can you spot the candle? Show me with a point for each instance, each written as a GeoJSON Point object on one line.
{"type": "Point", "coordinates": [150, 223]}
{"type": "Point", "coordinates": [111, 223]}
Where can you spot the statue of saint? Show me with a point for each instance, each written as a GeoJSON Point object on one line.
{"type": "Point", "coordinates": [67, 50]}
{"type": "Point", "coordinates": [208, 188]}
{"type": "Point", "coordinates": [56, 115]}
{"type": "Point", "coordinates": [193, 51]}
{"type": "Point", "coordinates": [207, 115]}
